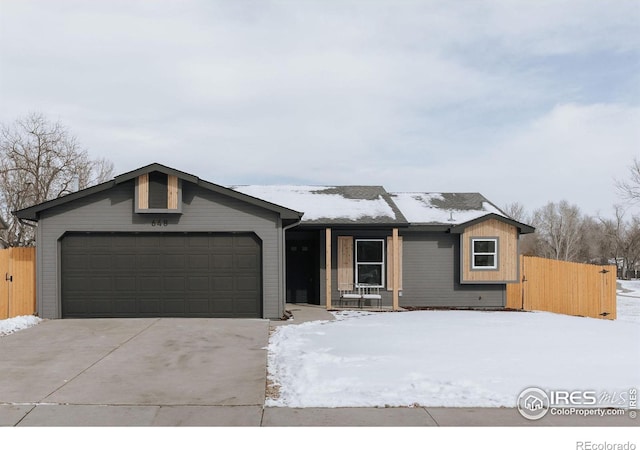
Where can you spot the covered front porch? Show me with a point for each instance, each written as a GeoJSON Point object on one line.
{"type": "Point", "coordinates": [344, 268]}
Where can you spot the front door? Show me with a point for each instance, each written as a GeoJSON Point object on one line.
{"type": "Point", "coordinates": [302, 271]}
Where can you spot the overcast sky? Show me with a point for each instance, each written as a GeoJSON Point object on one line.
{"type": "Point", "coordinates": [527, 101]}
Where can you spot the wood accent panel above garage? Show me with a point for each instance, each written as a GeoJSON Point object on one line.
{"type": "Point", "coordinates": [158, 192]}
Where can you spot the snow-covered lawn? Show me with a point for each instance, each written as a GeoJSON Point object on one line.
{"type": "Point", "coordinates": [8, 326]}
{"type": "Point", "coordinates": [448, 358]}
{"type": "Point", "coordinates": [629, 300]}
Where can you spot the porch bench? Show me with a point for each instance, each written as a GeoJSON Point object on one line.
{"type": "Point", "coordinates": [358, 296]}
{"type": "Point", "coordinates": [371, 293]}
{"type": "Point", "coordinates": [349, 295]}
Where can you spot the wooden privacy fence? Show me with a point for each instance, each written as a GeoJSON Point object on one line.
{"type": "Point", "coordinates": [564, 287]}
{"type": "Point", "coordinates": [17, 282]}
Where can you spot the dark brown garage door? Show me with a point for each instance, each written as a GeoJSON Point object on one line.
{"type": "Point", "coordinates": [161, 275]}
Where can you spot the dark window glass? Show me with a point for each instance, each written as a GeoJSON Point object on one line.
{"type": "Point", "coordinates": [369, 262]}
{"type": "Point", "coordinates": [158, 195]}
{"type": "Point", "coordinates": [370, 274]}
{"type": "Point", "coordinates": [484, 246]}
{"type": "Point", "coordinates": [484, 261]}
{"type": "Point", "coordinates": [369, 251]}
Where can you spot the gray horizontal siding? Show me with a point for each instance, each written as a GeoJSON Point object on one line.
{"type": "Point", "coordinates": [203, 211]}
{"type": "Point", "coordinates": [431, 275]}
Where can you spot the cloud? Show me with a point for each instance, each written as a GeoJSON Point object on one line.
{"type": "Point", "coordinates": [439, 95]}
{"type": "Point", "coordinates": [574, 152]}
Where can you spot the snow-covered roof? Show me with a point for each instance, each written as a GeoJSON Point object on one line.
{"type": "Point", "coordinates": [330, 204]}
{"type": "Point", "coordinates": [443, 208]}
{"type": "Point", "coordinates": [374, 205]}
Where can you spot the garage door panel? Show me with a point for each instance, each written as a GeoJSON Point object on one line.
{"type": "Point", "coordinates": [246, 284]}
{"type": "Point", "coordinates": [148, 283]}
{"type": "Point", "coordinates": [197, 285]}
{"type": "Point", "coordinates": [148, 241]}
{"type": "Point", "coordinates": [197, 307]}
{"type": "Point", "coordinates": [222, 262]}
{"type": "Point", "coordinates": [148, 262]}
{"type": "Point", "coordinates": [174, 241]}
{"type": "Point", "coordinates": [76, 307]}
{"type": "Point", "coordinates": [124, 306]}
{"type": "Point", "coordinates": [100, 261]}
{"type": "Point", "coordinates": [176, 262]}
{"type": "Point", "coordinates": [149, 306]}
{"type": "Point", "coordinates": [221, 242]}
{"type": "Point", "coordinates": [76, 284]}
{"type": "Point", "coordinates": [246, 262]}
{"type": "Point", "coordinates": [198, 262]}
{"type": "Point", "coordinates": [124, 283]}
{"type": "Point", "coordinates": [171, 284]}
{"type": "Point", "coordinates": [100, 285]}
{"type": "Point", "coordinates": [77, 261]}
{"type": "Point", "coordinates": [124, 262]}
{"type": "Point", "coordinates": [161, 275]}
{"type": "Point", "coordinates": [173, 307]}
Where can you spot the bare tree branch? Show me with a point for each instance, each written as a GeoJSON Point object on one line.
{"type": "Point", "coordinates": [39, 161]}
{"type": "Point", "coordinates": [630, 189]}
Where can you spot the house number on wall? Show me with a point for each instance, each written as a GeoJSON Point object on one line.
{"type": "Point", "coordinates": [159, 222]}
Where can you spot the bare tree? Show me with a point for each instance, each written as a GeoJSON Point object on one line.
{"type": "Point", "coordinates": [39, 161]}
{"type": "Point", "coordinates": [529, 243]}
{"type": "Point", "coordinates": [559, 230]}
{"type": "Point", "coordinates": [516, 211]}
{"type": "Point", "coordinates": [620, 241]}
{"type": "Point", "coordinates": [630, 189]}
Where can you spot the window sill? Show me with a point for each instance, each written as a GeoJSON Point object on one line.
{"type": "Point", "coordinates": [158, 211]}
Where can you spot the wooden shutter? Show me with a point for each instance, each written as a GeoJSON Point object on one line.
{"type": "Point", "coordinates": [345, 262]}
{"type": "Point", "coordinates": [390, 260]}
{"type": "Point", "coordinates": [172, 192]}
{"type": "Point", "coordinates": [143, 191]}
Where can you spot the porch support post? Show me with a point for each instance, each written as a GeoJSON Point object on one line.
{"type": "Point", "coordinates": [327, 274]}
{"type": "Point", "coordinates": [396, 270]}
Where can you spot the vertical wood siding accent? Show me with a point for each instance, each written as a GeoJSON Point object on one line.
{"type": "Point", "coordinates": [143, 191]}
{"type": "Point", "coordinates": [390, 262]}
{"type": "Point", "coordinates": [507, 252]}
{"type": "Point", "coordinates": [345, 263]}
{"type": "Point", "coordinates": [172, 192]}
{"type": "Point", "coordinates": [565, 288]}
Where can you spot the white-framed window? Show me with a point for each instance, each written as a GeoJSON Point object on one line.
{"type": "Point", "coordinates": [370, 262]}
{"type": "Point", "coordinates": [484, 253]}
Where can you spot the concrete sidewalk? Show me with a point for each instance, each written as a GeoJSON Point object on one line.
{"type": "Point", "coordinates": [257, 416]}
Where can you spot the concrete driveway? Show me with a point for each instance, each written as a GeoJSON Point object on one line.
{"type": "Point", "coordinates": [135, 372]}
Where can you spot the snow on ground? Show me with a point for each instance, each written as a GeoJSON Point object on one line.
{"type": "Point", "coordinates": [448, 358]}
{"type": "Point", "coordinates": [8, 326]}
{"type": "Point", "coordinates": [628, 300]}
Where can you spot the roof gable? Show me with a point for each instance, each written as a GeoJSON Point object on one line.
{"type": "Point", "coordinates": [155, 167]}
{"type": "Point", "coordinates": [32, 213]}
{"type": "Point", "coordinates": [522, 227]}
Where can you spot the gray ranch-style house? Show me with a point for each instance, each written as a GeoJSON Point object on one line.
{"type": "Point", "coordinates": [158, 242]}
